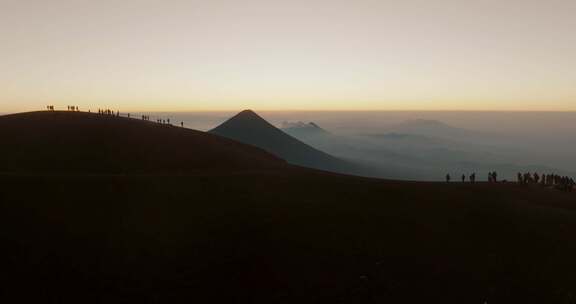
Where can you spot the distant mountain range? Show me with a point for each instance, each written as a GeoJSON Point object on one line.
{"type": "Point", "coordinates": [301, 129]}
{"type": "Point", "coordinates": [415, 150]}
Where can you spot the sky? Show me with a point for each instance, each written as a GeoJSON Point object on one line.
{"type": "Point", "coordinates": [173, 55]}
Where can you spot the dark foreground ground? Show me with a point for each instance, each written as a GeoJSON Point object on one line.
{"type": "Point", "coordinates": [286, 237]}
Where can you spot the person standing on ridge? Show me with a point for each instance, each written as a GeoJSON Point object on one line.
{"type": "Point", "coordinates": [448, 178]}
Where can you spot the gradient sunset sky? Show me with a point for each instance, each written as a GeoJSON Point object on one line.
{"type": "Point", "coordinates": [288, 55]}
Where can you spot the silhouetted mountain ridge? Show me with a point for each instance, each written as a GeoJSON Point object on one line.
{"type": "Point", "coordinates": [248, 127]}
{"type": "Point", "coordinates": [302, 130]}
{"type": "Point", "coordinates": [91, 143]}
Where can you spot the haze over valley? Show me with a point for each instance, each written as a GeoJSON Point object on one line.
{"type": "Point", "coordinates": [430, 143]}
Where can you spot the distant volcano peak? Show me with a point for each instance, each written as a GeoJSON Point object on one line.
{"type": "Point", "coordinates": [248, 127]}
{"type": "Point", "coordinates": [302, 130]}
{"type": "Point", "coordinates": [248, 116]}
{"type": "Point", "coordinates": [247, 113]}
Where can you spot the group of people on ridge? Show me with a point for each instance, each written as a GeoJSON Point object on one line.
{"type": "Point", "coordinates": [108, 112]}
{"type": "Point", "coordinates": [117, 114]}
{"type": "Point", "coordinates": [564, 183]}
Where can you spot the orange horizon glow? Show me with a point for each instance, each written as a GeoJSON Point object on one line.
{"type": "Point", "coordinates": [315, 55]}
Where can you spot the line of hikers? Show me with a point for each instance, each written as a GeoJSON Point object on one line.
{"type": "Point", "coordinates": [492, 177]}
{"type": "Point", "coordinates": [163, 121]}
{"type": "Point", "coordinates": [564, 183]}
{"type": "Point", "coordinates": [471, 178]}
{"type": "Point", "coordinates": [108, 112]}
{"type": "Point", "coordinates": [117, 114]}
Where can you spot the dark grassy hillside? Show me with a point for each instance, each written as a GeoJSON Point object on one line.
{"type": "Point", "coordinates": [195, 217]}
{"type": "Point", "coordinates": [82, 142]}
{"type": "Point", "coordinates": [290, 237]}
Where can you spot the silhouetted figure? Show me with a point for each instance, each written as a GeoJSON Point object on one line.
{"type": "Point", "coordinates": [473, 178]}
{"type": "Point", "coordinates": [527, 178]}
{"type": "Point", "coordinates": [463, 178]}
{"type": "Point", "coordinates": [182, 124]}
{"type": "Point", "coordinates": [520, 178]}
{"type": "Point", "coordinates": [492, 177]}
{"type": "Point", "coordinates": [448, 178]}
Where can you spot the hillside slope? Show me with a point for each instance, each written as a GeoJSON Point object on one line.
{"type": "Point", "coordinates": [294, 236]}
{"type": "Point", "coordinates": [91, 143]}
{"type": "Point", "coordinates": [268, 234]}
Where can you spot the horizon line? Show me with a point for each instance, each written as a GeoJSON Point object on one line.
{"type": "Point", "coordinates": [305, 110]}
